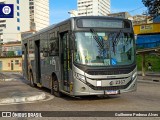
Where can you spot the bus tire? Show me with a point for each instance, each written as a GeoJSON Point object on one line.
{"type": "Point", "coordinates": [55, 87]}
{"type": "Point", "coordinates": [32, 84]}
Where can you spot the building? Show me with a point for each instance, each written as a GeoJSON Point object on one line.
{"type": "Point", "coordinates": [39, 14]}
{"type": "Point", "coordinates": [8, 64]}
{"type": "Point", "coordinates": [125, 15]}
{"type": "Point", "coordinates": [141, 19]}
{"type": "Point", "coordinates": [10, 28]}
{"type": "Point", "coordinates": [93, 7]}
{"type": "Point", "coordinates": [28, 15]}
{"type": "Point", "coordinates": [11, 49]}
{"type": "Point", "coordinates": [11, 58]}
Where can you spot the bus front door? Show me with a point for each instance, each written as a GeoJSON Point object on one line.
{"type": "Point", "coordinates": [65, 61]}
{"type": "Point", "coordinates": [38, 62]}
{"type": "Point", "coordinates": [26, 61]}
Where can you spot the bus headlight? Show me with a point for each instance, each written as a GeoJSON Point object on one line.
{"type": "Point", "coordinates": [80, 77]}
{"type": "Point", "coordinates": [134, 75]}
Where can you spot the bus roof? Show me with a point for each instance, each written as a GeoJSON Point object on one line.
{"type": "Point", "coordinates": [70, 19]}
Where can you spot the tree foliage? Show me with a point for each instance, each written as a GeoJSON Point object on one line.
{"type": "Point", "coordinates": [153, 7]}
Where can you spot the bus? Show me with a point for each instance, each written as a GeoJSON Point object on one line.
{"type": "Point", "coordinates": [81, 56]}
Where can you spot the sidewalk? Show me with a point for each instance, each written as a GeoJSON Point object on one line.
{"type": "Point", "coordinates": [150, 76]}
{"type": "Point", "coordinates": [9, 76]}
{"type": "Point", "coordinates": [14, 89]}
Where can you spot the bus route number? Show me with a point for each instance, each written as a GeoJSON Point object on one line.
{"type": "Point", "coordinates": [120, 82]}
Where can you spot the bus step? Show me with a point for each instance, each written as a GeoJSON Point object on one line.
{"type": "Point", "coordinates": [39, 85]}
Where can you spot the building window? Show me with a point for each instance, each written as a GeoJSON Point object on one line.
{"type": "Point", "coordinates": [17, 7]}
{"type": "Point", "coordinates": [18, 28]}
{"type": "Point", "coordinates": [16, 62]}
{"type": "Point", "coordinates": [31, 3]}
{"type": "Point", "coordinates": [31, 7]}
{"type": "Point", "coordinates": [18, 20]}
{"type": "Point", "coordinates": [17, 1]}
{"type": "Point", "coordinates": [3, 25]}
{"type": "Point", "coordinates": [18, 14]}
{"type": "Point", "coordinates": [2, 21]}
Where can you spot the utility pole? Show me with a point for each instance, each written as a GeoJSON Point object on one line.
{"type": "Point", "coordinates": [146, 16]}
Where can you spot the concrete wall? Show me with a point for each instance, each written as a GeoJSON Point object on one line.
{"type": "Point", "coordinates": [10, 64]}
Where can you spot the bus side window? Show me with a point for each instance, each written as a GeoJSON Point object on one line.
{"type": "Point", "coordinates": [44, 44]}
{"type": "Point", "coordinates": [45, 54]}
{"type": "Point", "coordinates": [53, 45]}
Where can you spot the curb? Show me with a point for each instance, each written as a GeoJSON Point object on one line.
{"type": "Point", "coordinates": [9, 79]}
{"type": "Point", "coordinates": [150, 81]}
{"type": "Point", "coordinates": [18, 99]}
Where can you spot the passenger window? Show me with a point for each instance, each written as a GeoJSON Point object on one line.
{"type": "Point", "coordinates": [53, 44]}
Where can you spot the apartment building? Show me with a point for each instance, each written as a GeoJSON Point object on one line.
{"type": "Point", "coordinates": [93, 7]}
{"type": "Point", "coordinates": [28, 15]}
{"type": "Point", "coordinates": [39, 14]}
{"type": "Point", "coordinates": [10, 28]}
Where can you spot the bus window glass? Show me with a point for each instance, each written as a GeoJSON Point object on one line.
{"type": "Point", "coordinates": [104, 48]}
{"type": "Point", "coordinates": [31, 44]}
{"type": "Point", "coordinates": [44, 43]}
{"type": "Point", "coordinates": [53, 44]}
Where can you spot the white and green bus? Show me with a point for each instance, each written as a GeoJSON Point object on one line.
{"type": "Point", "coordinates": [89, 55]}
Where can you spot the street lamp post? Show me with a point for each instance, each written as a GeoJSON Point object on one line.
{"type": "Point", "coordinates": [73, 13]}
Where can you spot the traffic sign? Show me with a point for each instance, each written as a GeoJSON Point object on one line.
{"type": "Point", "coordinates": [6, 11]}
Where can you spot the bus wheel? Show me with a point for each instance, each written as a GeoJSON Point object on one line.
{"type": "Point", "coordinates": [31, 80]}
{"type": "Point", "coordinates": [55, 88]}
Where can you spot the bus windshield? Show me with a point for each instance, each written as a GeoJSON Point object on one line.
{"type": "Point", "coordinates": [104, 48]}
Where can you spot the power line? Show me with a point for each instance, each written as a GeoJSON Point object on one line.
{"type": "Point", "coordinates": [136, 9]}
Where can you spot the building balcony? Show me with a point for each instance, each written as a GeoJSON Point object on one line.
{"type": "Point", "coordinates": [11, 53]}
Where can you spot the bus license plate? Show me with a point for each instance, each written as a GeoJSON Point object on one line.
{"type": "Point", "coordinates": [112, 92]}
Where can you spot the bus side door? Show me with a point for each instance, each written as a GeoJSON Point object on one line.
{"type": "Point", "coordinates": [65, 60]}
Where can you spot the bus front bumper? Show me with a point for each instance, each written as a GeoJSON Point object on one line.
{"type": "Point", "coordinates": [84, 90]}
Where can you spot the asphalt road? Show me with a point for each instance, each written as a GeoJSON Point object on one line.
{"type": "Point", "coordinates": [146, 98]}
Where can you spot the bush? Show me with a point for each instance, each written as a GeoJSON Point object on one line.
{"type": "Point", "coordinates": [152, 58]}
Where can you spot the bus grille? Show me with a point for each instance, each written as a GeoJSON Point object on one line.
{"type": "Point", "coordinates": [110, 87]}
{"type": "Point", "coordinates": [110, 71]}
{"type": "Point", "coordinates": [114, 72]}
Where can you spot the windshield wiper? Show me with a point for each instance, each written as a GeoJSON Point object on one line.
{"type": "Point", "coordinates": [115, 40]}
{"type": "Point", "coordinates": [117, 35]}
{"type": "Point", "coordinates": [96, 37]}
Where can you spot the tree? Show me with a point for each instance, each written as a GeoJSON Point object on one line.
{"type": "Point", "coordinates": [153, 7]}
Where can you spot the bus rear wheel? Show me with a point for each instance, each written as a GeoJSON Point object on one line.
{"type": "Point", "coordinates": [55, 88]}
{"type": "Point", "coordinates": [32, 84]}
